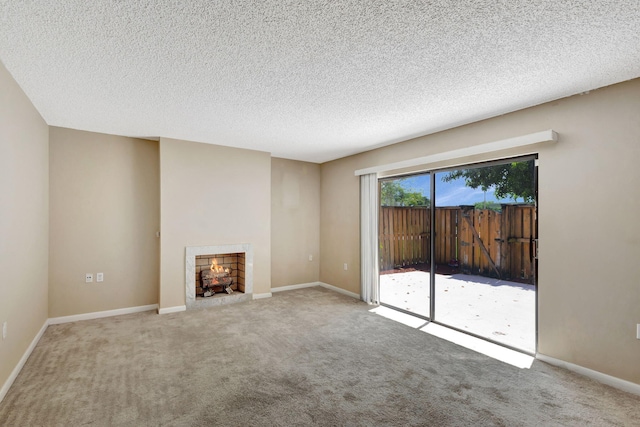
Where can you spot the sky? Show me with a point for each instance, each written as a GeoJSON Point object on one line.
{"type": "Point", "coordinates": [452, 193]}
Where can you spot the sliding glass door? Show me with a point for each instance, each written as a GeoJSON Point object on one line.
{"type": "Point", "coordinates": [485, 226]}
{"type": "Point", "coordinates": [457, 247]}
{"type": "Point", "coordinates": [404, 243]}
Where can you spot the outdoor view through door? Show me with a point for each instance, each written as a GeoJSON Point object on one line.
{"type": "Point", "coordinates": [456, 247]}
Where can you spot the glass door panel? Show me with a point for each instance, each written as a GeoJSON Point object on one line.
{"type": "Point", "coordinates": [485, 220]}
{"type": "Point", "coordinates": [404, 245]}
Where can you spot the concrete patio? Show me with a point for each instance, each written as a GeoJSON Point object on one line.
{"type": "Point", "coordinates": [500, 310]}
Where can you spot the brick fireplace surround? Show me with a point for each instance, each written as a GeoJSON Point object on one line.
{"type": "Point", "coordinates": [190, 275]}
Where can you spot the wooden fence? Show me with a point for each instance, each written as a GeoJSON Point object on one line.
{"type": "Point", "coordinates": [481, 241]}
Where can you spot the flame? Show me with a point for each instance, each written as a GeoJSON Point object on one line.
{"type": "Point", "coordinates": [215, 267]}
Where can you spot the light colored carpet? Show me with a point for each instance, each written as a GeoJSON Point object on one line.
{"type": "Point", "coordinates": [303, 357]}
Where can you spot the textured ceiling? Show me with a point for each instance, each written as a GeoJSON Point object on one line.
{"type": "Point", "coordinates": [308, 80]}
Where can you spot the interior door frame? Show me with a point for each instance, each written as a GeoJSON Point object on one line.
{"type": "Point", "coordinates": [536, 238]}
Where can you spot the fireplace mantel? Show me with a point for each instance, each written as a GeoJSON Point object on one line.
{"type": "Point", "coordinates": [190, 271]}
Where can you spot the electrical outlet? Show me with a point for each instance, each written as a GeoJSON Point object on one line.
{"type": "Point", "coordinates": [345, 267]}
{"type": "Point", "coordinates": [4, 330]}
{"type": "Point", "coordinates": [99, 277]}
{"type": "Point", "coordinates": [310, 257]}
{"type": "Point", "coordinates": [88, 278]}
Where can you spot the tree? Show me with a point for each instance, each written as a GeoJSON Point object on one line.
{"type": "Point", "coordinates": [492, 206]}
{"type": "Point", "coordinates": [393, 193]}
{"type": "Point", "coordinates": [510, 180]}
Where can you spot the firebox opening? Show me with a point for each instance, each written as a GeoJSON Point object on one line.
{"type": "Point", "coordinates": [219, 274]}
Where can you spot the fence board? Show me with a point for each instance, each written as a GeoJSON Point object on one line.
{"type": "Point", "coordinates": [483, 225]}
{"type": "Point", "coordinates": [405, 232]}
{"type": "Point", "coordinates": [526, 227]}
{"type": "Point", "coordinates": [394, 238]}
{"type": "Point", "coordinates": [466, 247]}
{"type": "Point", "coordinates": [477, 261]}
{"type": "Point", "coordinates": [515, 247]}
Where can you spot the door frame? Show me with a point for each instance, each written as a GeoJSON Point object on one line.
{"type": "Point", "coordinates": [432, 318]}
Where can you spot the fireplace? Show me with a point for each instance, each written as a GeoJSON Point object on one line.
{"type": "Point", "coordinates": [217, 275]}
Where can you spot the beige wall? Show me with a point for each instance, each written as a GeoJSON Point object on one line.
{"type": "Point", "coordinates": [24, 222]}
{"type": "Point", "coordinates": [212, 195]}
{"type": "Point", "coordinates": [340, 224]}
{"type": "Point", "coordinates": [589, 303]}
{"type": "Point", "coordinates": [104, 215]}
{"type": "Point", "coordinates": [295, 222]}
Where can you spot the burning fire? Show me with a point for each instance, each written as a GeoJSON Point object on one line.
{"type": "Point", "coordinates": [216, 276]}
{"type": "Point", "coordinates": [218, 268]}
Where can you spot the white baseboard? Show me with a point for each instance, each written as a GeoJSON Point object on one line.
{"type": "Point", "coordinates": [621, 384]}
{"type": "Point", "coordinates": [14, 374]}
{"type": "Point", "coordinates": [175, 309]}
{"type": "Point", "coordinates": [293, 287]}
{"type": "Point", "coordinates": [101, 314]}
{"type": "Point", "coordinates": [340, 290]}
{"type": "Point", "coordinates": [312, 284]}
{"type": "Point", "coordinates": [261, 296]}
